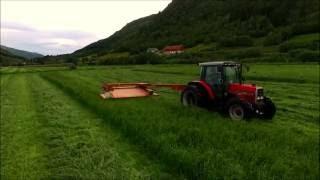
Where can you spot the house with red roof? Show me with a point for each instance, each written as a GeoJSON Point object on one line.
{"type": "Point", "coordinates": [175, 49]}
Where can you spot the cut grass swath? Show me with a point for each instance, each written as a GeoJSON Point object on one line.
{"type": "Point", "coordinates": [80, 145]}
{"type": "Point", "coordinates": [47, 135]}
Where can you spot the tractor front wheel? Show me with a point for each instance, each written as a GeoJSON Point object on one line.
{"type": "Point", "coordinates": [268, 109]}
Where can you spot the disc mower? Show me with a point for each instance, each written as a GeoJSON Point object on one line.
{"type": "Point", "coordinates": [220, 87]}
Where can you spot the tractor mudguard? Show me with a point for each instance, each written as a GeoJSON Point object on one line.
{"type": "Point", "coordinates": [194, 95]}
{"type": "Point", "coordinates": [203, 85]}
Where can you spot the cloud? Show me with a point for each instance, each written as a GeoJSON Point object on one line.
{"type": "Point", "coordinates": [57, 27]}
{"type": "Point", "coordinates": [48, 42]}
{"type": "Point", "coordinates": [71, 34]}
{"type": "Point", "coordinates": [15, 26]}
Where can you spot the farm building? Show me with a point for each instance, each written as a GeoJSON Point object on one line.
{"type": "Point", "coordinates": [175, 49]}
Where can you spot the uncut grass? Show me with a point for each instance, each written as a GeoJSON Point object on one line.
{"type": "Point", "coordinates": [287, 95]}
{"type": "Point", "coordinates": [296, 73]}
{"type": "Point", "coordinates": [294, 115]}
{"type": "Point", "coordinates": [80, 146]}
{"type": "Point", "coordinates": [294, 97]}
{"type": "Point", "coordinates": [299, 101]}
{"type": "Point", "coordinates": [194, 142]}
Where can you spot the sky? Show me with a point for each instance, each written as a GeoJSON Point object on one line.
{"type": "Point", "coordinates": [59, 27]}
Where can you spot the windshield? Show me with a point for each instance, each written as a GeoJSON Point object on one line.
{"type": "Point", "coordinates": [232, 74]}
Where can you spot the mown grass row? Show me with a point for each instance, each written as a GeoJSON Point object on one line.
{"type": "Point", "coordinates": [81, 146]}
{"type": "Point", "coordinates": [47, 135]}
{"type": "Point", "coordinates": [29, 70]}
{"type": "Point", "coordinates": [194, 142]}
{"type": "Point", "coordinates": [22, 156]}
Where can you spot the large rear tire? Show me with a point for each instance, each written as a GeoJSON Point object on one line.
{"type": "Point", "coordinates": [192, 96]}
{"type": "Point", "coordinates": [238, 110]}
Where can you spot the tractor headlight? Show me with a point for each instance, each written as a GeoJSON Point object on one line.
{"type": "Point", "coordinates": [259, 94]}
{"type": "Point", "coordinates": [259, 98]}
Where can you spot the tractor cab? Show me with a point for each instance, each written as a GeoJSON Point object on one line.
{"type": "Point", "coordinates": [219, 75]}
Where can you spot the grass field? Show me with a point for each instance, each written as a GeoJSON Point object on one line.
{"type": "Point", "coordinates": [54, 125]}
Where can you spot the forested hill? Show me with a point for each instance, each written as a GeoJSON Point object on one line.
{"type": "Point", "coordinates": [21, 53]}
{"type": "Point", "coordinates": [192, 22]}
{"type": "Point", "coordinates": [7, 58]}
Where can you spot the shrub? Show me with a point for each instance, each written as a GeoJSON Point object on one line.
{"type": "Point", "coordinates": [185, 61]}
{"type": "Point", "coordinates": [236, 41]}
{"type": "Point", "coordinates": [273, 58]}
{"type": "Point", "coordinates": [273, 38]}
{"type": "Point", "coordinates": [259, 26]}
{"type": "Point", "coordinates": [72, 60]}
{"type": "Point", "coordinates": [143, 58]}
{"type": "Point", "coordinates": [72, 66]}
{"type": "Point", "coordinates": [306, 28]}
{"type": "Point", "coordinates": [305, 55]}
{"type": "Point", "coordinates": [146, 58]}
{"type": "Point", "coordinates": [277, 37]}
{"type": "Point", "coordinates": [287, 46]}
{"type": "Point", "coordinates": [315, 45]}
{"type": "Point", "coordinates": [283, 34]}
{"type": "Point", "coordinates": [247, 53]}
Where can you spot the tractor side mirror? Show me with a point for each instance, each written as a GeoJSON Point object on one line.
{"type": "Point", "coordinates": [246, 67]}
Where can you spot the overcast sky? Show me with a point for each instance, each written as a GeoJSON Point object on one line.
{"type": "Point", "coordinates": [59, 27]}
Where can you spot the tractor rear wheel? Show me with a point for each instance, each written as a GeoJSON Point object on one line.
{"type": "Point", "coordinates": [237, 110]}
{"type": "Point", "coordinates": [191, 96]}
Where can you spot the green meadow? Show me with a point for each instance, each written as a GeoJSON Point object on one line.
{"type": "Point", "coordinates": [54, 125]}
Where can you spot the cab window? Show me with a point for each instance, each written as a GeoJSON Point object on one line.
{"type": "Point", "coordinates": [232, 74]}
{"type": "Point", "coordinates": [212, 75]}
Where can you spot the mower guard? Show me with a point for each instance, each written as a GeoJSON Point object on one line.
{"type": "Point", "coordinates": [131, 90]}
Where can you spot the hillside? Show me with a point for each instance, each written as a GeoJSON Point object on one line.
{"type": "Point", "coordinates": [228, 23]}
{"type": "Point", "coordinates": [7, 58]}
{"type": "Point", "coordinates": [21, 53]}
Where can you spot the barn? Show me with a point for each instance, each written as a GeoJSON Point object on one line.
{"type": "Point", "coordinates": [175, 49]}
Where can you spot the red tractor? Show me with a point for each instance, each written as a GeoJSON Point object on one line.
{"type": "Point", "coordinates": [221, 87]}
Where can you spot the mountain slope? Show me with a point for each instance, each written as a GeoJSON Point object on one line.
{"type": "Point", "coordinates": [21, 53]}
{"type": "Point", "coordinates": [7, 58]}
{"type": "Point", "coordinates": [191, 22]}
